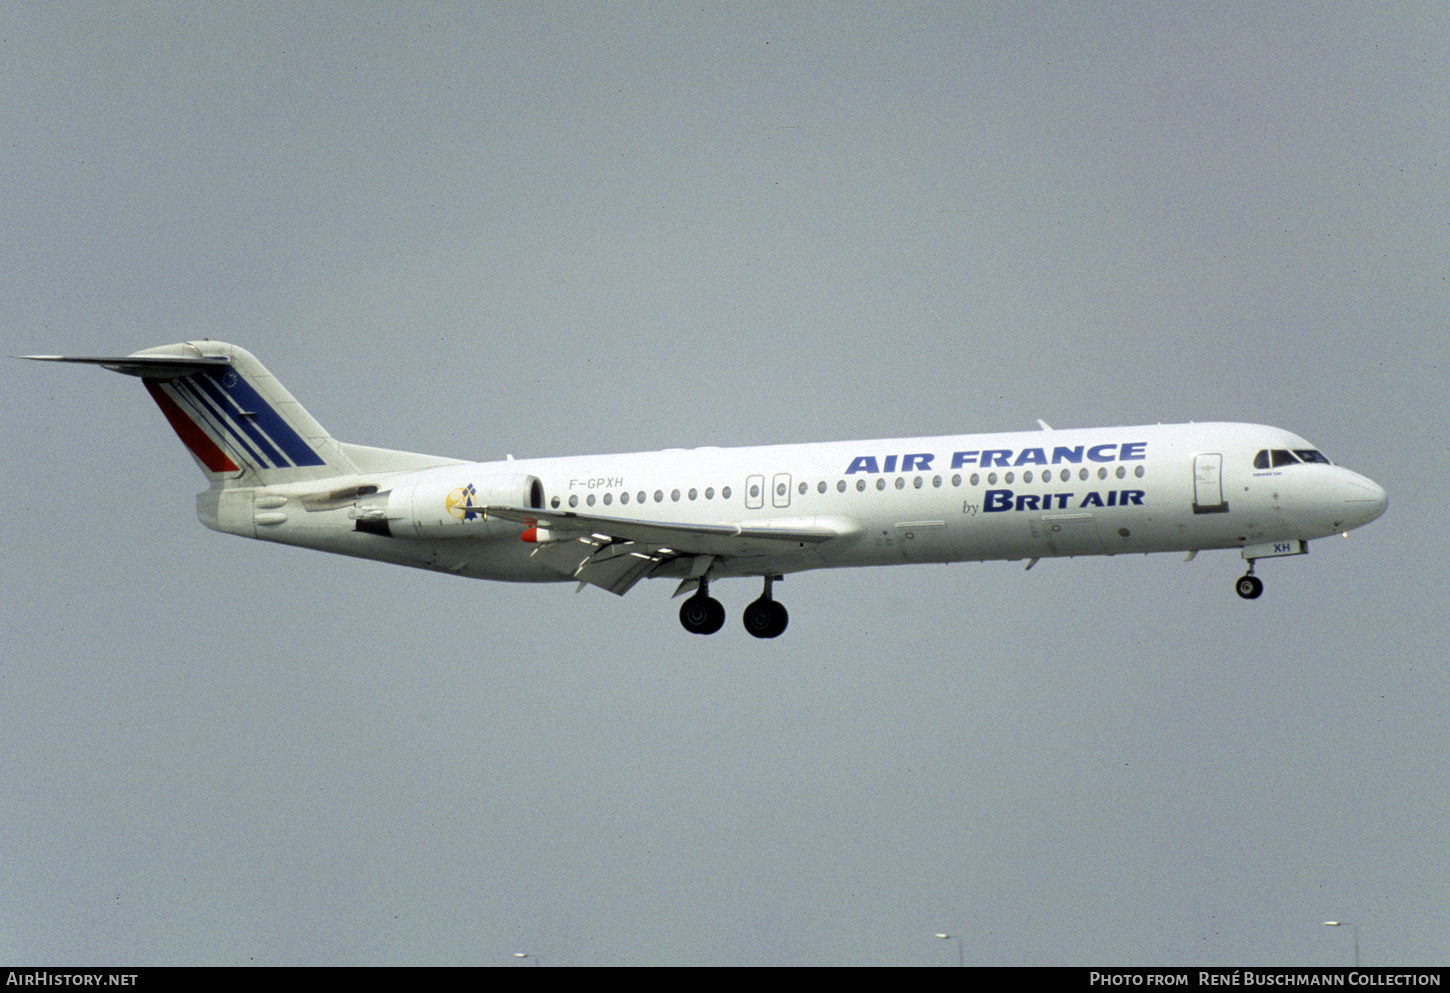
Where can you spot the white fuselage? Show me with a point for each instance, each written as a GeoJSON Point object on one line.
{"type": "Point", "coordinates": [1021, 495]}
{"type": "Point", "coordinates": [700, 514]}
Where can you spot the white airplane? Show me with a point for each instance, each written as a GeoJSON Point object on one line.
{"type": "Point", "coordinates": [702, 514]}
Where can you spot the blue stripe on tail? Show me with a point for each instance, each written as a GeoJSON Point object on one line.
{"type": "Point", "coordinates": [242, 416]}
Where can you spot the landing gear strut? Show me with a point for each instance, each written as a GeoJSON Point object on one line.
{"type": "Point", "coordinates": [1249, 586]}
{"type": "Point", "coordinates": [765, 618]}
{"type": "Point", "coordinates": [702, 613]}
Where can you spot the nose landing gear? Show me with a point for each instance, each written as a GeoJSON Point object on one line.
{"type": "Point", "coordinates": [1249, 586]}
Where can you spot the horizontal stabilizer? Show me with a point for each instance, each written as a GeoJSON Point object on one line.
{"type": "Point", "coordinates": [240, 424]}
{"type": "Point", "coordinates": [145, 366]}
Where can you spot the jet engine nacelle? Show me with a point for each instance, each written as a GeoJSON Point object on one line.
{"type": "Point", "coordinates": [446, 503]}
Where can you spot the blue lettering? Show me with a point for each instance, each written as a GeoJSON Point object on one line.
{"type": "Point", "coordinates": [997, 500]}
{"type": "Point", "coordinates": [1132, 451]}
{"type": "Point", "coordinates": [1112, 498]}
{"type": "Point", "coordinates": [1062, 499]}
{"type": "Point", "coordinates": [1135, 497]}
{"type": "Point", "coordinates": [1028, 501]}
{"type": "Point", "coordinates": [1091, 500]}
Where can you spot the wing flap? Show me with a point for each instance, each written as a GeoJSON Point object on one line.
{"type": "Point", "coordinates": [696, 539]}
{"type": "Point", "coordinates": [616, 553]}
{"type": "Point", "coordinates": [599, 561]}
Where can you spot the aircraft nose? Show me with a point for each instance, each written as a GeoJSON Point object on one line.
{"type": "Point", "coordinates": [1364, 500]}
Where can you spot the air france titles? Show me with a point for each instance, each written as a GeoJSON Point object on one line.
{"type": "Point", "coordinates": [996, 501]}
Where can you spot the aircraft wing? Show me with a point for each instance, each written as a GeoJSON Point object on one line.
{"type": "Point", "coordinates": [615, 553]}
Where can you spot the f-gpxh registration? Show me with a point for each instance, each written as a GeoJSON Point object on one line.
{"type": "Point", "coordinates": [704, 514]}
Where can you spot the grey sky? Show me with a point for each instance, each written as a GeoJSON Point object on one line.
{"type": "Point", "coordinates": [556, 229]}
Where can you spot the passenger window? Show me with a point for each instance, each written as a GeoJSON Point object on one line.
{"type": "Point", "coordinates": [725, 493]}
{"type": "Point", "coordinates": [840, 486]}
{"type": "Point", "coordinates": [608, 499]}
{"type": "Point", "coordinates": [675, 495]}
{"type": "Point", "coordinates": [1138, 471]}
{"type": "Point", "coordinates": [709, 493]}
{"type": "Point", "coordinates": [624, 498]}
{"type": "Point", "coordinates": [1027, 476]}
{"type": "Point", "coordinates": [1121, 472]}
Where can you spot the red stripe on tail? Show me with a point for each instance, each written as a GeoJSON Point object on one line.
{"type": "Point", "coordinates": [194, 437]}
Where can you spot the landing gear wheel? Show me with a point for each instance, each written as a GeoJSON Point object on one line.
{"type": "Point", "coordinates": [766, 618]}
{"type": "Point", "coordinates": [702, 615]}
{"type": "Point", "coordinates": [1249, 587]}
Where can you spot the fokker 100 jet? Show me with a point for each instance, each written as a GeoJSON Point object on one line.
{"type": "Point", "coordinates": [704, 514]}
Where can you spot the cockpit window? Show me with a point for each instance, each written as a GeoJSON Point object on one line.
{"type": "Point", "coordinates": [1272, 458]}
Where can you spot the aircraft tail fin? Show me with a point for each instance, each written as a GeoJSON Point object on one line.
{"type": "Point", "coordinates": [239, 422]}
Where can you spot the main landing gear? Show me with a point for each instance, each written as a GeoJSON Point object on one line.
{"type": "Point", "coordinates": [766, 618]}
{"type": "Point", "coordinates": [703, 614]}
